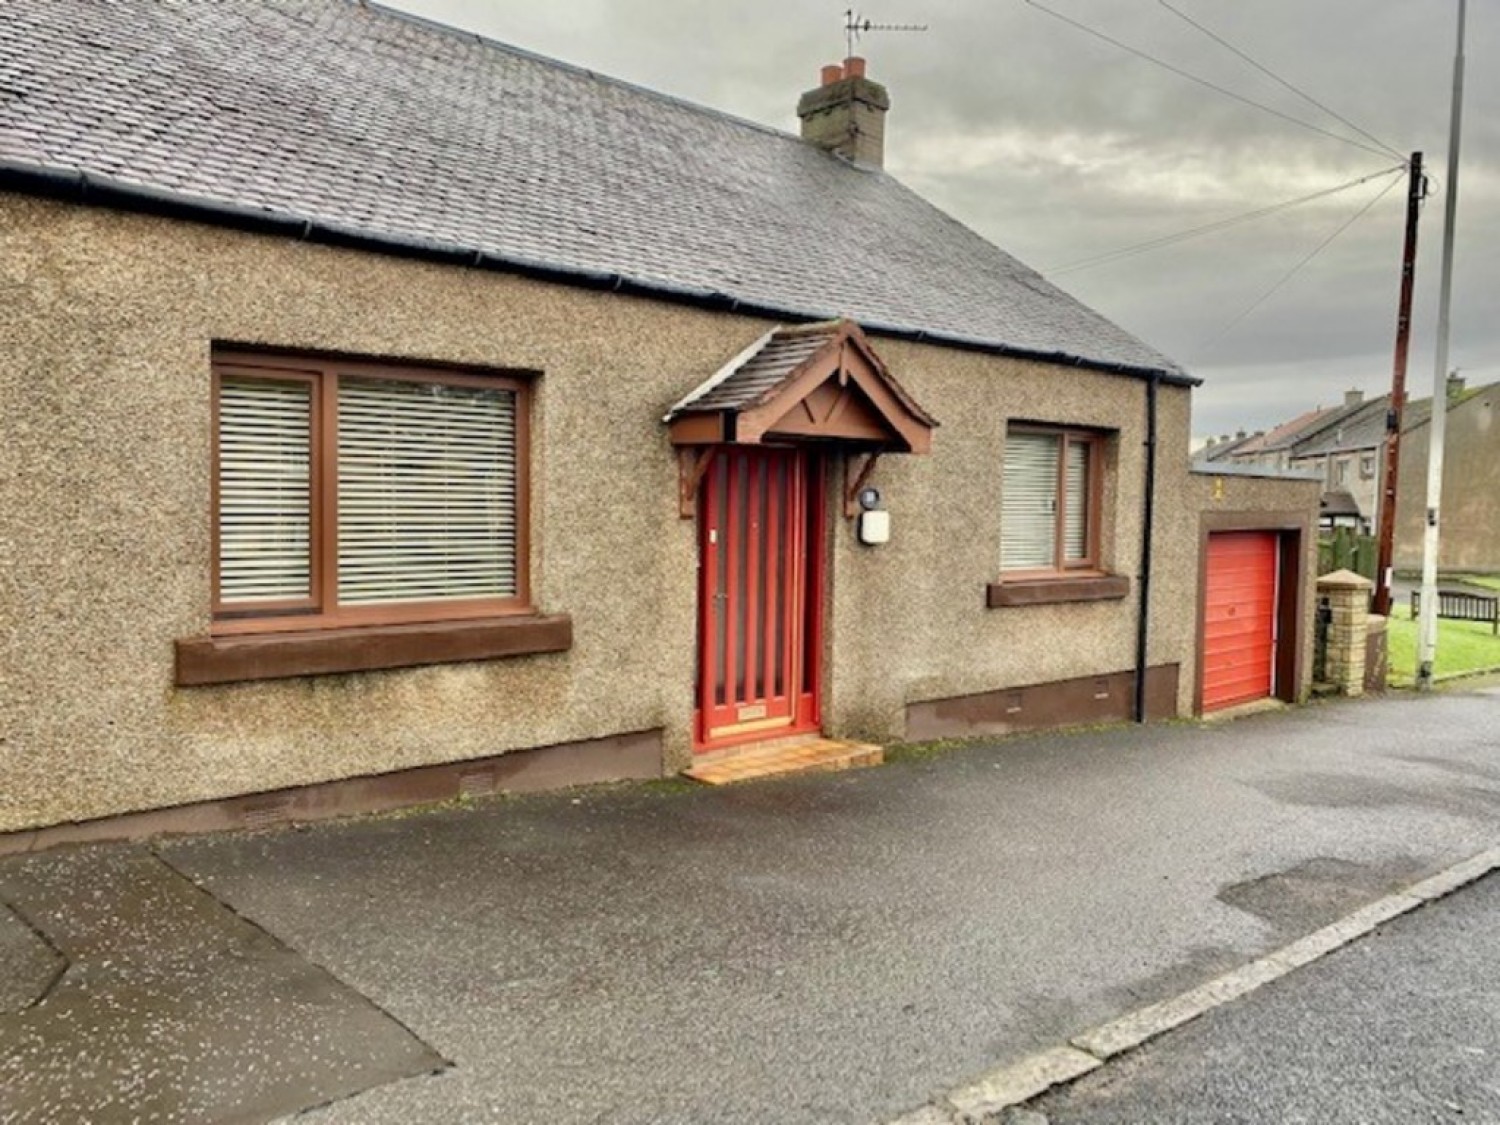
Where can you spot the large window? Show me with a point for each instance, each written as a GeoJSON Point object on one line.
{"type": "Point", "coordinates": [352, 493]}
{"type": "Point", "coordinates": [1050, 500]}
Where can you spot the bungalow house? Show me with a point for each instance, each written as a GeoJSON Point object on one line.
{"type": "Point", "coordinates": [394, 414]}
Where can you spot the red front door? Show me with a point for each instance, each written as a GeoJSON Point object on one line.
{"type": "Point", "coordinates": [760, 538]}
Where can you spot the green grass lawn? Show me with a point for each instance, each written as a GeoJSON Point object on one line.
{"type": "Point", "coordinates": [1462, 646]}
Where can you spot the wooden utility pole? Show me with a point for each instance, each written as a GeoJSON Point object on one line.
{"type": "Point", "coordinates": [1416, 191]}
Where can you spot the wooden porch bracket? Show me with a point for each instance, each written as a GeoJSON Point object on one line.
{"type": "Point", "coordinates": [855, 482]}
{"type": "Point", "coordinates": [692, 463]}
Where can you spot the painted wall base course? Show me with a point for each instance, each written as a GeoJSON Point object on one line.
{"type": "Point", "coordinates": [627, 757]}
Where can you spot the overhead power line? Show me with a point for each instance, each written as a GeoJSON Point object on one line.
{"type": "Point", "coordinates": [1269, 73]}
{"type": "Point", "coordinates": [1191, 77]}
{"type": "Point", "coordinates": [1109, 257]}
{"type": "Point", "coordinates": [1296, 269]}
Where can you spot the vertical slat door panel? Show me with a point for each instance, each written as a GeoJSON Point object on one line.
{"type": "Point", "coordinates": [710, 663]}
{"type": "Point", "coordinates": [809, 584]}
{"type": "Point", "coordinates": [734, 606]}
{"type": "Point", "coordinates": [755, 545]}
{"type": "Point", "coordinates": [1239, 618]}
{"type": "Point", "coordinates": [773, 634]}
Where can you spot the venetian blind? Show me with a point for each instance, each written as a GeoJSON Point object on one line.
{"type": "Point", "coordinates": [426, 492]}
{"type": "Point", "coordinates": [1028, 507]}
{"type": "Point", "coordinates": [265, 479]}
{"type": "Point", "coordinates": [1076, 503]}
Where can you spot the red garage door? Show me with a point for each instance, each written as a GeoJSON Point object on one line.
{"type": "Point", "coordinates": [1239, 618]}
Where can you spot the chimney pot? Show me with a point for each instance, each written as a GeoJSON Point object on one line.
{"type": "Point", "coordinates": [854, 67]}
{"type": "Point", "coordinates": [832, 73]}
{"type": "Point", "coordinates": [1354, 397]}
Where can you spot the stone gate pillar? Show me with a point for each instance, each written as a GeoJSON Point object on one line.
{"type": "Point", "coordinates": [1348, 597]}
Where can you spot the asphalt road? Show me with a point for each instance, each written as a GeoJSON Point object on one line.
{"type": "Point", "coordinates": [840, 948]}
{"type": "Point", "coordinates": [1401, 1027]}
{"type": "Point", "coordinates": [833, 948]}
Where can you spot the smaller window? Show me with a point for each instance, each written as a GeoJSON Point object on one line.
{"type": "Point", "coordinates": [1367, 465]}
{"type": "Point", "coordinates": [1341, 473]}
{"type": "Point", "coordinates": [1050, 499]}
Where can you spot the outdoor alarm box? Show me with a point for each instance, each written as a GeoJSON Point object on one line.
{"type": "Point", "coordinates": [874, 528]}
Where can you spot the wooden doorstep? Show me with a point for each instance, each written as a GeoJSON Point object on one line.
{"type": "Point", "coordinates": [783, 756]}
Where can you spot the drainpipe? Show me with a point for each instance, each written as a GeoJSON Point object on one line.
{"type": "Point", "coordinates": [1148, 517]}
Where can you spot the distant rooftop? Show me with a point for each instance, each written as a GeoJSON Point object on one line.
{"type": "Point", "coordinates": [1366, 427]}
{"type": "Point", "coordinates": [1289, 433]}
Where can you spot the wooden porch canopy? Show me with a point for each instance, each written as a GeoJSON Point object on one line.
{"type": "Point", "coordinates": [810, 383]}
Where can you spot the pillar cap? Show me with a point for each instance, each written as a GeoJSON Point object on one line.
{"type": "Point", "coordinates": [1345, 580]}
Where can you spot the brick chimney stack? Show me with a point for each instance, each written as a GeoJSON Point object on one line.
{"type": "Point", "coordinates": [846, 113]}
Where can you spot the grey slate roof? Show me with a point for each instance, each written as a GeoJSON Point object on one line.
{"type": "Point", "coordinates": [1365, 428]}
{"type": "Point", "coordinates": [1298, 429]}
{"type": "Point", "coordinates": [355, 119]}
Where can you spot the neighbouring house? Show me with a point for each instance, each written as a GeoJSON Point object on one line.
{"type": "Point", "coordinates": [1276, 448]}
{"type": "Point", "coordinates": [1469, 527]}
{"type": "Point", "coordinates": [1349, 456]}
{"type": "Point", "coordinates": [392, 414]}
{"type": "Point", "coordinates": [1349, 450]}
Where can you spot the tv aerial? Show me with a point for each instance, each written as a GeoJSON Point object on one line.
{"type": "Point", "coordinates": [856, 25]}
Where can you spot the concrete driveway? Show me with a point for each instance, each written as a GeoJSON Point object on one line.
{"type": "Point", "coordinates": [839, 947]}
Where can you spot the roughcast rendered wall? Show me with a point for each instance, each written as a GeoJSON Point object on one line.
{"type": "Point", "coordinates": [1469, 533]}
{"type": "Point", "coordinates": [108, 324]}
{"type": "Point", "coordinates": [108, 321]}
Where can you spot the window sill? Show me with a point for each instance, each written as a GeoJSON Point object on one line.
{"type": "Point", "coordinates": [1051, 591]}
{"type": "Point", "coordinates": [276, 656]}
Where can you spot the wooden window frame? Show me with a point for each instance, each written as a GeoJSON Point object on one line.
{"type": "Point", "coordinates": [321, 612]}
{"type": "Point", "coordinates": [1090, 565]}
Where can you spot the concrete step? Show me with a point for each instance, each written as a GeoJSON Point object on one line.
{"type": "Point", "coordinates": [774, 759]}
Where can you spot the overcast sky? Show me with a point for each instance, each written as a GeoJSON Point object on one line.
{"type": "Point", "coordinates": [1059, 147]}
